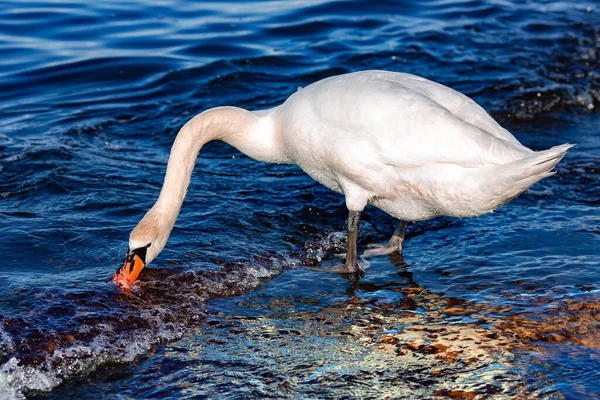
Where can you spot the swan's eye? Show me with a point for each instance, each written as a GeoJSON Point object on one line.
{"type": "Point", "coordinates": [140, 252]}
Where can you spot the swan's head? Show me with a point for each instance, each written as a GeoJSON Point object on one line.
{"type": "Point", "coordinates": [146, 241]}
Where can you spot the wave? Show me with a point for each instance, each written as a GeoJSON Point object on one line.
{"type": "Point", "coordinates": [72, 333]}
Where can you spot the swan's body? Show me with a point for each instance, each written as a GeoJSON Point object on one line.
{"type": "Point", "coordinates": [409, 146]}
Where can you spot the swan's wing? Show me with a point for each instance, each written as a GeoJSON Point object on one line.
{"type": "Point", "coordinates": [434, 135]}
{"type": "Point", "coordinates": [457, 103]}
{"type": "Point", "coordinates": [368, 119]}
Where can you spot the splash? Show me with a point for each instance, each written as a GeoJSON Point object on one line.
{"type": "Point", "coordinates": [117, 323]}
{"type": "Point", "coordinates": [114, 326]}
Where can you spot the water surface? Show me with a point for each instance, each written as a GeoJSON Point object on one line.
{"type": "Point", "coordinates": [92, 96]}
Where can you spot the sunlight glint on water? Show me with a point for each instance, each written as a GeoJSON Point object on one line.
{"type": "Point", "coordinates": [92, 98]}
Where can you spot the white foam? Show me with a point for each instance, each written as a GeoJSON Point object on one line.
{"type": "Point", "coordinates": [113, 345]}
{"type": "Point", "coordinates": [14, 379]}
{"type": "Point", "coordinates": [6, 341]}
{"type": "Point", "coordinates": [76, 360]}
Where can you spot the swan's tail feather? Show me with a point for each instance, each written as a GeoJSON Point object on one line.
{"type": "Point", "coordinates": [547, 159]}
{"type": "Point", "coordinates": [505, 182]}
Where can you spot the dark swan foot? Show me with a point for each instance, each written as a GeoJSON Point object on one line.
{"type": "Point", "coordinates": [379, 249]}
{"type": "Point", "coordinates": [351, 265]}
{"type": "Point", "coordinates": [349, 268]}
{"type": "Point", "coordinates": [394, 246]}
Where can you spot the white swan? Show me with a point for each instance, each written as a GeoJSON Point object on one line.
{"type": "Point", "coordinates": [409, 146]}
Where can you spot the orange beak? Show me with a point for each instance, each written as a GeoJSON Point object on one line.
{"type": "Point", "coordinates": [127, 275]}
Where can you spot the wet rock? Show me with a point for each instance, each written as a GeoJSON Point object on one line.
{"type": "Point", "coordinates": [450, 356]}
{"type": "Point", "coordinates": [455, 394]}
{"type": "Point", "coordinates": [436, 348]}
{"type": "Point", "coordinates": [415, 345]}
{"type": "Point", "coordinates": [553, 338]}
{"type": "Point", "coordinates": [388, 339]}
{"type": "Point", "coordinates": [581, 306]}
{"type": "Point", "coordinates": [418, 328]}
{"type": "Point", "coordinates": [412, 290]}
{"type": "Point", "coordinates": [470, 361]}
{"type": "Point", "coordinates": [459, 311]}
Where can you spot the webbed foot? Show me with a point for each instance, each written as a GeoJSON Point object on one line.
{"type": "Point", "coordinates": [349, 268]}
{"type": "Point", "coordinates": [379, 249]}
{"type": "Point", "coordinates": [393, 246]}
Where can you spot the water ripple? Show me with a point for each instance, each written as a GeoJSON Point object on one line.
{"type": "Point", "coordinates": [92, 97]}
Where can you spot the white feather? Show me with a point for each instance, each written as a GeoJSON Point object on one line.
{"type": "Point", "coordinates": [412, 147]}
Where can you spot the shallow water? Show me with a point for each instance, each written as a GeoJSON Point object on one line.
{"type": "Point", "coordinates": [92, 97]}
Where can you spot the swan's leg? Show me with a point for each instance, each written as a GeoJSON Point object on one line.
{"type": "Point", "coordinates": [393, 246]}
{"type": "Point", "coordinates": [351, 265]}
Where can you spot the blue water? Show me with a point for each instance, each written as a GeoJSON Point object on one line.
{"type": "Point", "coordinates": [91, 98]}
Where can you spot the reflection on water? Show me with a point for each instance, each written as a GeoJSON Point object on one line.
{"type": "Point", "coordinates": [238, 304]}
{"type": "Point", "coordinates": [382, 336]}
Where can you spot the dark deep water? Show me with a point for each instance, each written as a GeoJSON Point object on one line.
{"type": "Point", "coordinates": [91, 97]}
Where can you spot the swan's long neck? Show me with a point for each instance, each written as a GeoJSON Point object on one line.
{"type": "Point", "coordinates": [251, 133]}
